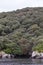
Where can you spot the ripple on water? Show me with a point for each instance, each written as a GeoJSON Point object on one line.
{"type": "Point", "coordinates": [21, 62]}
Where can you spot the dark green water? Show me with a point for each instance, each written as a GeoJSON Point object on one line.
{"type": "Point", "coordinates": [21, 61]}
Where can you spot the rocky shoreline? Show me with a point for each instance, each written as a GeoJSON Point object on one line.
{"type": "Point", "coordinates": [34, 55]}
{"type": "Point", "coordinates": [37, 55]}
{"type": "Point", "coordinates": [4, 55]}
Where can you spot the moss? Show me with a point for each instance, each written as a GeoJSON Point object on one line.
{"type": "Point", "coordinates": [38, 47]}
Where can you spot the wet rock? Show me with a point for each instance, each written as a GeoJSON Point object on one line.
{"type": "Point", "coordinates": [35, 54]}
{"type": "Point", "coordinates": [6, 56]}
{"type": "Point", "coordinates": [12, 56]}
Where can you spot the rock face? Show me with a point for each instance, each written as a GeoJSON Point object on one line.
{"type": "Point", "coordinates": [35, 55]}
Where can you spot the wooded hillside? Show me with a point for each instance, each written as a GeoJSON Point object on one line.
{"type": "Point", "coordinates": [21, 31]}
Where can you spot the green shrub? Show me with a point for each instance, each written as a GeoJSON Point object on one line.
{"type": "Point", "coordinates": [39, 47]}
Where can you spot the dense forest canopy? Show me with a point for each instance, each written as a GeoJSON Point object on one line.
{"type": "Point", "coordinates": [21, 31]}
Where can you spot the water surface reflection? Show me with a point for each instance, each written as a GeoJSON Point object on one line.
{"type": "Point", "coordinates": [21, 61]}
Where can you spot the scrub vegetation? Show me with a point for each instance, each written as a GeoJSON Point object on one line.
{"type": "Point", "coordinates": [21, 31]}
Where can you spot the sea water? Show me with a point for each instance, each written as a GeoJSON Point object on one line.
{"type": "Point", "coordinates": [21, 61]}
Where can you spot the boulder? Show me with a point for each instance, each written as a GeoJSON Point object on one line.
{"type": "Point", "coordinates": [35, 54]}
{"type": "Point", "coordinates": [41, 55]}
{"type": "Point", "coordinates": [1, 54]}
{"type": "Point", "coordinates": [6, 56]}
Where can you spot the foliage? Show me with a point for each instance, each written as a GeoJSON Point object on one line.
{"type": "Point", "coordinates": [21, 31]}
{"type": "Point", "coordinates": [39, 47]}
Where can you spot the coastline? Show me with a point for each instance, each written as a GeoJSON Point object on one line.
{"type": "Point", "coordinates": [34, 55]}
